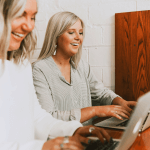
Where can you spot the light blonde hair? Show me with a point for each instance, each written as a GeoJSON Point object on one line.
{"type": "Point", "coordinates": [9, 10]}
{"type": "Point", "coordinates": [57, 25]}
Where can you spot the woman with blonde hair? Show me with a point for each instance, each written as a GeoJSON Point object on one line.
{"type": "Point", "coordinates": [65, 85]}
{"type": "Point", "coordinates": [23, 124]}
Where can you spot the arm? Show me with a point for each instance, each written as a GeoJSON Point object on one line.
{"type": "Point", "coordinates": [99, 93]}
{"type": "Point", "coordinates": [47, 126]}
{"type": "Point", "coordinates": [44, 95]}
{"type": "Point", "coordinates": [128, 105]}
{"type": "Point", "coordinates": [103, 96]}
{"type": "Point", "coordinates": [32, 145]}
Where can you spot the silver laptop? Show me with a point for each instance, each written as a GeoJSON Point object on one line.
{"type": "Point", "coordinates": [135, 123]}
{"type": "Point", "coordinates": [122, 124]}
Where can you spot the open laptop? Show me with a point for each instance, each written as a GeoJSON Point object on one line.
{"type": "Point", "coordinates": [135, 123]}
{"type": "Point", "coordinates": [122, 124]}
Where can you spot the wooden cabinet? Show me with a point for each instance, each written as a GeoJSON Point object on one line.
{"type": "Point", "coordinates": [132, 54]}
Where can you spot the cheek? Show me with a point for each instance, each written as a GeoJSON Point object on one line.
{"type": "Point", "coordinates": [81, 39]}
{"type": "Point", "coordinates": [33, 25]}
{"type": "Point", "coordinates": [64, 41]}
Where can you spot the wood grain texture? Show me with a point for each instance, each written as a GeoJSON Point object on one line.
{"type": "Point", "coordinates": [132, 54]}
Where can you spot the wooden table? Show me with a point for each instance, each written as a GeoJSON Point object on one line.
{"type": "Point", "coordinates": [142, 141]}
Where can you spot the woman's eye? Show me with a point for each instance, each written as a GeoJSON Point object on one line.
{"type": "Point", "coordinates": [71, 32]}
{"type": "Point", "coordinates": [33, 18]}
{"type": "Point", "coordinates": [20, 16]}
{"type": "Point", "coordinates": [81, 33]}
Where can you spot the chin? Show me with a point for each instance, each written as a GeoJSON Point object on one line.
{"type": "Point", "coordinates": [14, 47]}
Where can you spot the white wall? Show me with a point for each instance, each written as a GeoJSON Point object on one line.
{"type": "Point", "coordinates": [99, 18]}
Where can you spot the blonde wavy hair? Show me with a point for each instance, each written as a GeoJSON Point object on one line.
{"type": "Point", "coordinates": [9, 10]}
{"type": "Point", "coordinates": [57, 25]}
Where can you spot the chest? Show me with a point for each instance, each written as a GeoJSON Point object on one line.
{"type": "Point", "coordinates": [67, 96]}
{"type": "Point", "coordinates": [66, 73]}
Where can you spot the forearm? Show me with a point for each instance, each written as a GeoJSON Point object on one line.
{"type": "Point", "coordinates": [74, 114]}
{"type": "Point", "coordinates": [87, 113]}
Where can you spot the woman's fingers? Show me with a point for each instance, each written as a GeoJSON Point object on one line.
{"type": "Point", "coordinates": [131, 104]}
{"type": "Point", "coordinates": [59, 144]}
{"type": "Point", "coordinates": [92, 130]}
{"type": "Point", "coordinates": [83, 139]}
{"type": "Point", "coordinates": [74, 143]}
{"type": "Point", "coordinates": [122, 112]}
{"type": "Point", "coordinates": [101, 134]}
{"type": "Point", "coordinates": [125, 111]}
{"type": "Point", "coordinates": [105, 134]}
{"type": "Point", "coordinates": [71, 146]}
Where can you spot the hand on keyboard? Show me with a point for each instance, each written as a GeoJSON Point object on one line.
{"type": "Point", "coordinates": [111, 111]}
{"type": "Point", "coordinates": [83, 132]}
{"type": "Point", "coordinates": [97, 145]}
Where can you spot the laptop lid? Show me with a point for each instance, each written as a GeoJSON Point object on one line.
{"type": "Point", "coordinates": [135, 123]}
{"type": "Point", "coordinates": [146, 123]}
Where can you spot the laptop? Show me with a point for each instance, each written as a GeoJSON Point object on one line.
{"type": "Point", "coordinates": [134, 125]}
{"type": "Point", "coordinates": [122, 124]}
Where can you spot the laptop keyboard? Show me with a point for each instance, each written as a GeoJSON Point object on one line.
{"type": "Point", "coordinates": [123, 124]}
{"type": "Point", "coordinates": [97, 145]}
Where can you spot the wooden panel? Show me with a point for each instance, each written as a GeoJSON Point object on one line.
{"type": "Point", "coordinates": [132, 54]}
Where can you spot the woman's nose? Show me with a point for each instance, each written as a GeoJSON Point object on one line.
{"type": "Point", "coordinates": [28, 25]}
{"type": "Point", "coordinates": [77, 37]}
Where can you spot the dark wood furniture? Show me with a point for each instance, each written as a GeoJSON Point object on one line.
{"type": "Point", "coordinates": [132, 54]}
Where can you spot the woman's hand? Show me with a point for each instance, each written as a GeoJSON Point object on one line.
{"type": "Point", "coordinates": [58, 143]}
{"type": "Point", "coordinates": [82, 133]}
{"type": "Point", "coordinates": [111, 111]}
{"type": "Point", "coordinates": [128, 105]}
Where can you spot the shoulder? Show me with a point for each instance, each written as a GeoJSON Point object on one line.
{"type": "Point", "coordinates": [44, 66]}
{"type": "Point", "coordinates": [38, 63]}
{"type": "Point", "coordinates": [83, 68]}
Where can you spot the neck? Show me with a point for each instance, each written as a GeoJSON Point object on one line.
{"type": "Point", "coordinates": [60, 60]}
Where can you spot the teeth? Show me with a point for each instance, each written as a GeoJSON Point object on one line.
{"type": "Point", "coordinates": [18, 34]}
{"type": "Point", "coordinates": [74, 44]}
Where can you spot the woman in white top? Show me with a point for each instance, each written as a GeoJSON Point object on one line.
{"type": "Point", "coordinates": [65, 85]}
{"type": "Point", "coordinates": [23, 124]}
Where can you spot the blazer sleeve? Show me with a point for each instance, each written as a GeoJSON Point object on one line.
{"type": "Point", "coordinates": [100, 95]}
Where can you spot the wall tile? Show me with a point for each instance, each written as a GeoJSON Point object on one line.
{"type": "Point", "coordinates": [93, 36]}
{"type": "Point", "coordinates": [104, 13]}
{"type": "Point", "coordinates": [109, 76]}
{"type": "Point", "coordinates": [85, 54]}
{"type": "Point", "coordinates": [143, 5]}
{"type": "Point", "coordinates": [108, 35]}
{"type": "Point", "coordinates": [101, 56]}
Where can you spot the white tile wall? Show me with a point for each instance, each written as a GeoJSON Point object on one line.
{"type": "Point", "coordinates": [99, 18]}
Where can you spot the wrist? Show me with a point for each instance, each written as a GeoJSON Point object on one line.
{"type": "Point", "coordinates": [77, 130]}
{"type": "Point", "coordinates": [96, 110]}
{"type": "Point", "coordinates": [117, 101]}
